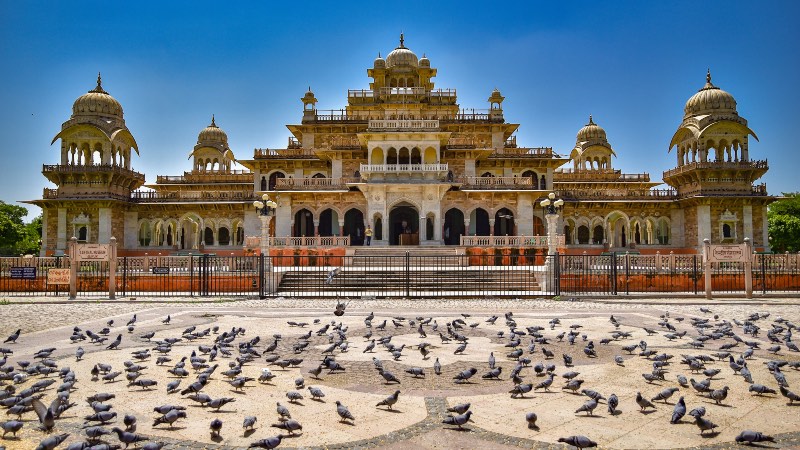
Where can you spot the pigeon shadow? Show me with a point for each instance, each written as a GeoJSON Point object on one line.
{"type": "Point", "coordinates": [396, 411]}
{"type": "Point", "coordinates": [616, 413]}
{"type": "Point", "coordinates": [249, 432]}
{"type": "Point", "coordinates": [216, 438]}
{"type": "Point", "coordinates": [318, 400]}
{"type": "Point", "coordinates": [713, 434]}
{"type": "Point", "coordinates": [724, 405]}
{"type": "Point", "coordinates": [466, 430]}
{"type": "Point", "coordinates": [648, 412]}
{"type": "Point", "coordinates": [592, 416]}
{"type": "Point", "coordinates": [224, 411]}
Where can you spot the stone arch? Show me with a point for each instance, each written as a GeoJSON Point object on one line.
{"type": "Point", "coordinates": [329, 222]}
{"type": "Point", "coordinates": [144, 233]}
{"type": "Point", "coordinates": [415, 156]}
{"type": "Point", "coordinates": [430, 156]}
{"type": "Point", "coordinates": [190, 230]}
{"type": "Point", "coordinates": [403, 156]}
{"type": "Point", "coordinates": [479, 222]}
{"type": "Point", "coordinates": [391, 156]}
{"type": "Point", "coordinates": [354, 225]}
{"type": "Point", "coordinates": [377, 226]}
{"type": "Point", "coordinates": [376, 157]}
{"type": "Point", "coordinates": [273, 179]}
{"type": "Point", "coordinates": [303, 222]}
{"type": "Point", "coordinates": [619, 228]}
{"type": "Point", "coordinates": [453, 226]}
{"type": "Point", "coordinates": [663, 231]}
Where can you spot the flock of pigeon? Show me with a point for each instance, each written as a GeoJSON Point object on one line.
{"type": "Point", "coordinates": [196, 358]}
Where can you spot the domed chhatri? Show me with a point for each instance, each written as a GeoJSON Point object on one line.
{"type": "Point", "coordinates": [402, 56]}
{"type": "Point", "coordinates": [97, 102]}
{"type": "Point", "coordinates": [379, 63]}
{"type": "Point", "coordinates": [710, 99]}
{"type": "Point", "coordinates": [212, 134]}
{"type": "Point", "coordinates": [591, 131]}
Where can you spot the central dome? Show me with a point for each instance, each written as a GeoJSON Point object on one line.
{"type": "Point", "coordinates": [212, 134]}
{"type": "Point", "coordinates": [709, 99]}
{"type": "Point", "coordinates": [97, 102]}
{"type": "Point", "coordinates": [591, 131]}
{"type": "Point", "coordinates": [401, 56]}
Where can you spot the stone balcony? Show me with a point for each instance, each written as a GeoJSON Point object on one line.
{"type": "Point", "coordinates": [403, 172]}
{"type": "Point", "coordinates": [314, 184]}
{"type": "Point", "coordinates": [403, 125]}
{"type": "Point", "coordinates": [497, 184]}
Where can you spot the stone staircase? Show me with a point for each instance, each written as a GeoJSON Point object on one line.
{"type": "Point", "coordinates": [410, 272]}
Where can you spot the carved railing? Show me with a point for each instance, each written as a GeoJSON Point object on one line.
{"type": "Point", "coordinates": [92, 168]}
{"type": "Point", "coordinates": [602, 194]}
{"type": "Point", "coordinates": [536, 152]}
{"type": "Point", "coordinates": [289, 153]}
{"type": "Point", "coordinates": [308, 241]}
{"type": "Point", "coordinates": [293, 143]}
{"type": "Point", "coordinates": [510, 241]}
{"type": "Point", "coordinates": [511, 142]}
{"type": "Point", "coordinates": [498, 183]}
{"type": "Point", "coordinates": [726, 165]}
{"type": "Point", "coordinates": [412, 124]}
{"type": "Point", "coordinates": [200, 176]}
{"type": "Point", "coordinates": [313, 184]}
{"type": "Point", "coordinates": [402, 168]}
{"type": "Point", "coordinates": [599, 175]}
{"type": "Point", "coordinates": [192, 196]}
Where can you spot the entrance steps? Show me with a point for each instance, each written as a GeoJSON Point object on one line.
{"type": "Point", "coordinates": [395, 256]}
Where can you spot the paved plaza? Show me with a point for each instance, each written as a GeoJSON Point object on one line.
{"type": "Point", "coordinates": [498, 419]}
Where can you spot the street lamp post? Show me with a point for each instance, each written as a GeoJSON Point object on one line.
{"type": "Point", "coordinates": [551, 207]}
{"type": "Point", "coordinates": [266, 210]}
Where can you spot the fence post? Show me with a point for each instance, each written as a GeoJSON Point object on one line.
{"type": "Point", "coordinates": [408, 275]}
{"type": "Point", "coordinates": [557, 274]}
{"type": "Point", "coordinates": [261, 277]}
{"type": "Point", "coordinates": [763, 274]}
{"type": "Point", "coordinates": [748, 268]}
{"type": "Point", "coordinates": [694, 272]}
{"type": "Point", "coordinates": [707, 266]}
{"type": "Point", "coordinates": [204, 276]}
{"type": "Point", "coordinates": [613, 269]}
{"type": "Point", "coordinates": [124, 276]}
{"type": "Point", "coordinates": [112, 268]}
{"type": "Point", "coordinates": [627, 273]}
{"type": "Point", "coordinates": [73, 268]}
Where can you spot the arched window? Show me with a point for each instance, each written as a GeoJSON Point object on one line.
{"type": "Point", "coordinates": [726, 231]}
{"type": "Point", "coordinates": [273, 179]}
{"type": "Point", "coordinates": [144, 235]}
{"type": "Point", "coordinates": [263, 183]}
{"type": "Point", "coordinates": [224, 236]}
{"type": "Point", "coordinates": [597, 235]}
{"type": "Point", "coordinates": [208, 236]}
{"type": "Point", "coordinates": [83, 234]}
{"type": "Point", "coordinates": [583, 234]}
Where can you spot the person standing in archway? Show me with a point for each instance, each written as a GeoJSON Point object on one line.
{"type": "Point", "coordinates": [368, 236]}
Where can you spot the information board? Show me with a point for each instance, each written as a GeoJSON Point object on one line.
{"type": "Point", "coordinates": [58, 276]}
{"type": "Point", "coordinates": [92, 252]}
{"type": "Point", "coordinates": [728, 253]}
{"type": "Point", "coordinates": [24, 273]}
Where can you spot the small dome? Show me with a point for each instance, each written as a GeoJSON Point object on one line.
{"type": "Point", "coordinates": [379, 63]}
{"type": "Point", "coordinates": [212, 134]}
{"type": "Point", "coordinates": [97, 102]}
{"type": "Point", "coordinates": [591, 132]}
{"type": "Point", "coordinates": [401, 56]}
{"type": "Point", "coordinates": [709, 99]}
{"type": "Point", "coordinates": [424, 61]}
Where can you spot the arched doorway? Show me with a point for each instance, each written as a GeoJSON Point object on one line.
{"type": "Point", "coordinates": [479, 222]}
{"type": "Point", "coordinates": [453, 226]}
{"type": "Point", "coordinates": [354, 226]}
{"type": "Point", "coordinates": [273, 179]}
{"type": "Point", "coordinates": [328, 223]}
{"type": "Point", "coordinates": [303, 223]}
{"type": "Point", "coordinates": [378, 231]}
{"type": "Point", "coordinates": [403, 217]}
{"type": "Point", "coordinates": [504, 222]}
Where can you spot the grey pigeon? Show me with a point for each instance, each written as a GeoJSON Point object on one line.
{"type": "Point", "coordinates": [95, 433]}
{"type": "Point", "coordinates": [283, 412]}
{"type": "Point", "coordinates": [249, 422]}
{"type": "Point", "coordinates": [390, 400]}
{"type": "Point", "coordinates": [458, 420]}
{"type": "Point", "coordinates": [461, 408]}
{"type": "Point", "coordinates": [588, 407]}
{"type": "Point", "coordinates": [613, 402]}
{"type": "Point", "coordinates": [289, 425]}
{"type": "Point", "coordinates": [267, 443]}
{"type": "Point", "coordinates": [130, 422]}
{"type": "Point", "coordinates": [218, 403]}
{"type": "Point", "coordinates": [749, 437]}
{"type": "Point", "coordinates": [46, 414]}
{"type": "Point", "coordinates": [704, 424]}
{"type": "Point", "coordinates": [343, 412]}
{"type": "Point", "coordinates": [170, 418]}
{"type": "Point", "coordinates": [437, 367]}
{"type": "Point", "coordinates": [215, 427]}
{"type": "Point", "coordinates": [172, 386]}
{"type": "Point", "coordinates": [665, 394]}
{"type": "Point", "coordinates": [520, 390]}
{"type": "Point", "coordinates": [718, 395]}
{"type": "Point", "coordinates": [316, 393]}
{"type": "Point", "coordinates": [578, 441]}
{"type": "Point", "coordinates": [531, 419]}
{"type": "Point", "coordinates": [153, 446]}
{"type": "Point", "coordinates": [700, 411]}
{"type": "Point", "coordinates": [465, 375]}
{"type": "Point", "coordinates": [11, 426]}
{"type": "Point", "coordinates": [760, 389]}
{"type": "Point", "coordinates": [679, 411]}
{"type": "Point", "coordinates": [128, 438]}
{"type": "Point", "coordinates": [51, 442]}
{"type": "Point", "coordinates": [643, 402]}
{"type": "Point", "coordinates": [789, 394]}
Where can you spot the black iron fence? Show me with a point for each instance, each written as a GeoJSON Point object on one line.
{"type": "Point", "coordinates": [404, 275]}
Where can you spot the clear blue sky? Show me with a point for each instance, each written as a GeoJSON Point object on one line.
{"type": "Point", "coordinates": [632, 65]}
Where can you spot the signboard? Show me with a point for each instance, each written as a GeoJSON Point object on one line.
{"type": "Point", "coordinates": [92, 252]}
{"type": "Point", "coordinates": [160, 270]}
{"type": "Point", "coordinates": [58, 276]}
{"type": "Point", "coordinates": [728, 253]}
{"type": "Point", "coordinates": [24, 273]}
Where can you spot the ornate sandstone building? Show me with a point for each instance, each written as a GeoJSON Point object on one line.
{"type": "Point", "coordinates": [404, 158]}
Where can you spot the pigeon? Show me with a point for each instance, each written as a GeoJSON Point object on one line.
{"type": "Point", "coordinates": [172, 386]}
{"type": "Point", "coordinates": [613, 402]}
{"type": "Point", "coordinates": [458, 420]}
{"type": "Point", "coordinates": [437, 367]}
{"type": "Point", "coordinates": [718, 395]}
{"type": "Point", "coordinates": [249, 422]}
{"type": "Point", "coordinates": [294, 396]}
{"type": "Point", "coordinates": [128, 438]}
{"type": "Point", "coordinates": [79, 352]}
{"type": "Point", "coordinates": [531, 419]}
{"type": "Point", "coordinates": [283, 412]}
{"type": "Point", "coordinates": [643, 402]}
{"type": "Point", "coordinates": [95, 433]}
{"type": "Point", "coordinates": [13, 337]}
{"type": "Point", "coordinates": [130, 423]}
{"type": "Point", "coordinates": [520, 390]}
{"type": "Point", "coordinates": [704, 424]}
{"type": "Point", "coordinates": [115, 345]}
{"type": "Point", "coordinates": [215, 427]}
{"type": "Point", "coordinates": [789, 394]}
{"type": "Point", "coordinates": [316, 393]}
{"type": "Point", "coordinates": [218, 403]}
{"type": "Point", "coordinates": [588, 407]}
{"type": "Point", "coordinates": [465, 375]}
{"type": "Point", "coordinates": [267, 443]}
{"type": "Point", "coordinates": [388, 376]}
{"type": "Point", "coordinates": [665, 394]}
{"type": "Point", "coordinates": [461, 408]}
{"type": "Point", "coordinates": [760, 389]}
{"type": "Point", "coordinates": [46, 414]}
{"type": "Point", "coordinates": [578, 441]}
{"type": "Point", "coordinates": [343, 412]}
{"type": "Point", "coordinates": [51, 442]}
{"type": "Point", "coordinates": [698, 412]}
{"type": "Point", "coordinates": [170, 417]}
{"type": "Point", "coordinates": [289, 425]}
{"type": "Point", "coordinates": [749, 437]}
{"type": "Point", "coordinates": [390, 400]}
{"type": "Point", "coordinates": [679, 411]}
{"type": "Point", "coordinates": [11, 426]}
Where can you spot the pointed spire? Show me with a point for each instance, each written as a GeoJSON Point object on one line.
{"type": "Point", "coordinates": [401, 40]}
{"type": "Point", "coordinates": [708, 76]}
{"type": "Point", "coordinates": [213, 124]}
{"type": "Point", "coordinates": [590, 120]}
{"type": "Point", "coordinates": [379, 54]}
{"type": "Point", "coordinates": [99, 87]}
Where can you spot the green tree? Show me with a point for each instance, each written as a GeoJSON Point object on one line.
{"type": "Point", "coordinates": [784, 223]}
{"type": "Point", "coordinates": [17, 237]}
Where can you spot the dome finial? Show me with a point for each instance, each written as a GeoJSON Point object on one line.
{"type": "Point", "coordinates": [708, 76]}
{"type": "Point", "coordinates": [401, 40]}
{"type": "Point", "coordinates": [213, 124]}
{"type": "Point", "coordinates": [99, 82]}
{"type": "Point", "coordinates": [590, 120]}
{"type": "Point", "coordinates": [379, 54]}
